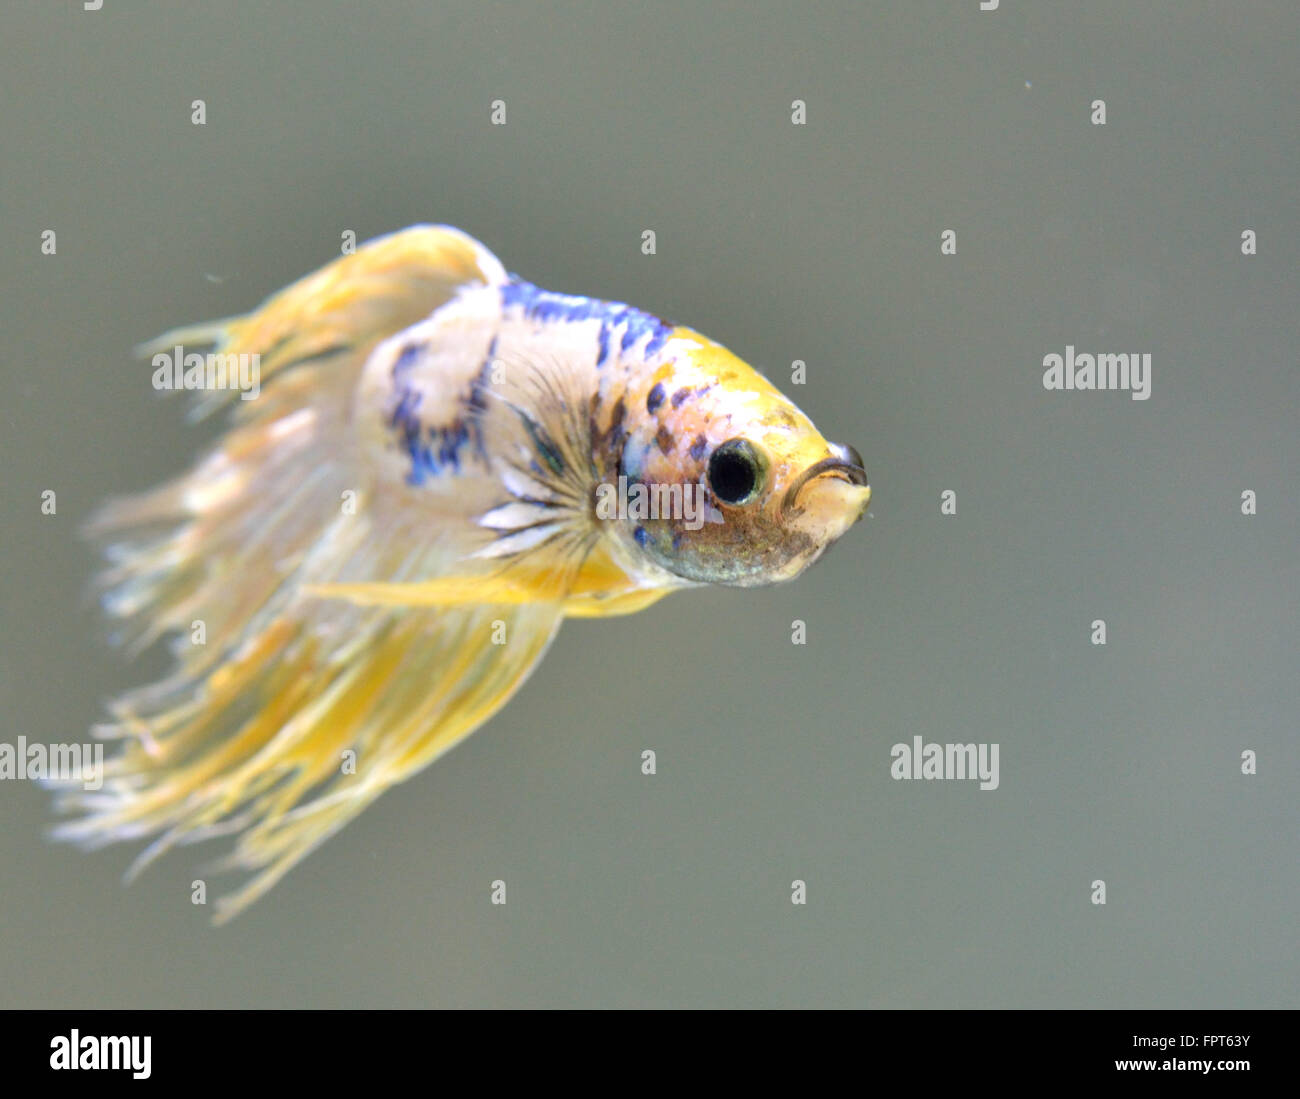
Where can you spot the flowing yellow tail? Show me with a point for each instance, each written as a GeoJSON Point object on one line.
{"type": "Point", "coordinates": [297, 710]}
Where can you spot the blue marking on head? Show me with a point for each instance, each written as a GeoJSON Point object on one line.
{"type": "Point", "coordinates": [658, 340]}
{"type": "Point", "coordinates": [545, 307]}
{"type": "Point", "coordinates": [640, 325]}
{"type": "Point", "coordinates": [542, 305]}
{"type": "Point", "coordinates": [686, 393]}
{"type": "Point", "coordinates": [642, 536]}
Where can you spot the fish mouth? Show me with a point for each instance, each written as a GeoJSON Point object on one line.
{"type": "Point", "coordinates": [845, 466]}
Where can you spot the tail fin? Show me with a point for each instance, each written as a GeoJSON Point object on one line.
{"type": "Point", "coordinates": [248, 733]}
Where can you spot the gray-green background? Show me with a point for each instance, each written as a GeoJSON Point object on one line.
{"type": "Point", "coordinates": [818, 243]}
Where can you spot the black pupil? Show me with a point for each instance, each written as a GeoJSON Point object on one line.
{"type": "Point", "coordinates": [731, 473]}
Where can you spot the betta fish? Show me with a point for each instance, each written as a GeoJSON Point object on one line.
{"type": "Point", "coordinates": [441, 463]}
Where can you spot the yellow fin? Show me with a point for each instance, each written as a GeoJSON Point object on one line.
{"type": "Point", "coordinates": [298, 741]}
{"type": "Point", "coordinates": [247, 735]}
{"type": "Point", "coordinates": [457, 591]}
{"type": "Point", "coordinates": [595, 588]}
{"type": "Point", "coordinates": [347, 306]}
{"type": "Point", "coordinates": [442, 591]}
{"type": "Point", "coordinates": [585, 606]}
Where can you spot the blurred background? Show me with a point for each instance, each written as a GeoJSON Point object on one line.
{"type": "Point", "coordinates": [820, 243]}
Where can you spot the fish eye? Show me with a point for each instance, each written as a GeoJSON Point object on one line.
{"type": "Point", "coordinates": [735, 472]}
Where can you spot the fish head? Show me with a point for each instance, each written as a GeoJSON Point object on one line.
{"type": "Point", "coordinates": [763, 493]}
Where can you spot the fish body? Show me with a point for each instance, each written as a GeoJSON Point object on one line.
{"type": "Point", "coordinates": [385, 541]}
